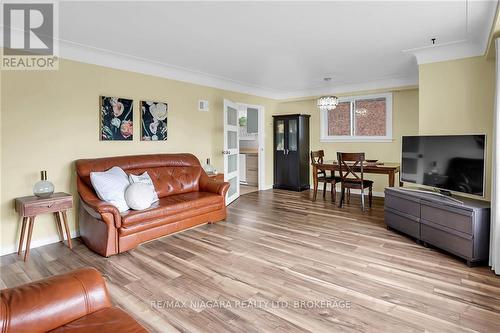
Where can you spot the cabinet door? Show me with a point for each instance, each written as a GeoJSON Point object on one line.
{"type": "Point", "coordinates": [292, 151]}
{"type": "Point", "coordinates": [280, 168]}
{"type": "Point", "coordinates": [292, 137]}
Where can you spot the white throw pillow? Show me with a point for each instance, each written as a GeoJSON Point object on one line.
{"type": "Point", "coordinates": [145, 179]}
{"type": "Point", "coordinates": [139, 196]}
{"type": "Point", "coordinates": [110, 186]}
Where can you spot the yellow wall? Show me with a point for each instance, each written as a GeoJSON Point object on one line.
{"type": "Point", "coordinates": [404, 118]}
{"type": "Point", "coordinates": [457, 97]}
{"type": "Point", "coordinates": [51, 118]}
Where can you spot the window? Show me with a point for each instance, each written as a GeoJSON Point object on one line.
{"type": "Point", "coordinates": [358, 118]}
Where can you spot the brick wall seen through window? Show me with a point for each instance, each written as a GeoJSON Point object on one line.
{"type": "Point", "coordinates": [359, 117]}
{"type": "Point", "coordinates": [339, 119]}
{"type": "Point", "coordinates": [370, 117]}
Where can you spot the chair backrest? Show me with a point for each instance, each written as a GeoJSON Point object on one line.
{"type": "Point", "coordinates": [317, 158]}
{"type": "Point", "coordinates": [346, 168]}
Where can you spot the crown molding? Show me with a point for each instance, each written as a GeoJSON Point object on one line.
{"type": "Point", "coordinates": [471, 46]}
{"type": "Point", "coordinates": [338, 89]}
{"type": "Point", "coordinates": [445, 52]}
{"type": "Point", "coordinates": [494, 34]}
{"type": "Point", "coordinates": [107, 58]}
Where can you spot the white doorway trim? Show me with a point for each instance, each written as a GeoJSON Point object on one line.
{"type": "Point", "coordinates": [262, 143]}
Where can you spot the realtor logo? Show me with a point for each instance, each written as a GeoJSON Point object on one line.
{"type": "Point", "coordinates": [29, 36]}
{"type": "Point", "coordinates": [28, 28]}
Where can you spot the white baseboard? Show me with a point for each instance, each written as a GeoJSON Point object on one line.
{"type": "Point", "coordinates": [328, 187]}
{"type": "Point", "coordinates": [375, 194]}
{"type": "Point", "coordinates": [34, 243]}
{"type": "Point", "coordinates": [355, 191]}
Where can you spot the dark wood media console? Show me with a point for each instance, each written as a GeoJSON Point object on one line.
{"type": "Point", "coordinates": [459, 228]}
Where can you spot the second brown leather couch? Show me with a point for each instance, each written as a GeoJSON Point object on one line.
{"type": "Point", "coordinates": [75, 302]}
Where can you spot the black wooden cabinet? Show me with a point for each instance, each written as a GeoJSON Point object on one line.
{"type": "Point", "coordinates": [291, 152]}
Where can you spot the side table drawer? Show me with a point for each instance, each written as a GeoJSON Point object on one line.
{"type": "Point", "coordinates": [35, 208]}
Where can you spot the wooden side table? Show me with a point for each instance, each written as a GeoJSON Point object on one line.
{"type": "Point", "coordinates": [218, 177]}
{"type": "Point", "coordinates": [31, 206]}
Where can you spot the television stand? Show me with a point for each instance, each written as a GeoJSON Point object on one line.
{"type": "Point", "coordinates": [460, 227]}
{"type": "Point", "coordinates": [443, 194]}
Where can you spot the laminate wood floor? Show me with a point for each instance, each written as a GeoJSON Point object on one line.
{"type": "Point", "coordinates": [245, 189]}
{"type": "Point", "coordinates": [282, 263]}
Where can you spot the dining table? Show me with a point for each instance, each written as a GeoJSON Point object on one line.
{"type": "Point", "coordinates": [382, 168]}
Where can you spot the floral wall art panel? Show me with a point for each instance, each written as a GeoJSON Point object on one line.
{"type": "Point", "coordinates": [154, 121]}
{"type": "Point", "coordinates": [117, 118]}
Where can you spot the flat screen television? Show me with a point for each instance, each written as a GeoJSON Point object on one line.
{"type": "Point", "coordinates": [446, 162]}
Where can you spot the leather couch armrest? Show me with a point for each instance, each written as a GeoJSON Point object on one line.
{"type": "Point", "coordinates": [98, 206]}
{"type": "Point", "coordinates": [46, 304]}
{"type": "Point", "coordinates": [213, 186]}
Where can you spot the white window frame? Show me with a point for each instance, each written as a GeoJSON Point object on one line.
{"type": "Point", "coordinates": [358, 138]}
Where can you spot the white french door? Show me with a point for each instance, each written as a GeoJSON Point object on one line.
{"type": "Point", "coordinates": [231, 150]}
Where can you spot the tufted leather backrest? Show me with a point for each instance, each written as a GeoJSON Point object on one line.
{"type": "Point", "coordinates": [171, 173]}
{"type": "Point", "coordinates": [44, 305]}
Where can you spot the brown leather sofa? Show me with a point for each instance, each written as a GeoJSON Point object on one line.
{"type": "Point", "coordinates": [188, 197]}
{"type": "Point", "coordinates": [75, 302]}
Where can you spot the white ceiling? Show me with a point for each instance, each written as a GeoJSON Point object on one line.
{"type": "Point", "coordinates": [276, 49]}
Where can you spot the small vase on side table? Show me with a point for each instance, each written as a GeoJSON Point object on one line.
{"type": "Point", "coordinates": [43, 188]}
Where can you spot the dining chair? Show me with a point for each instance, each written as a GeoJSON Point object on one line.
{"type": "Point", "coordinates": [321, 176]}
{"type": "Point", "coordinates": [348, 162]}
